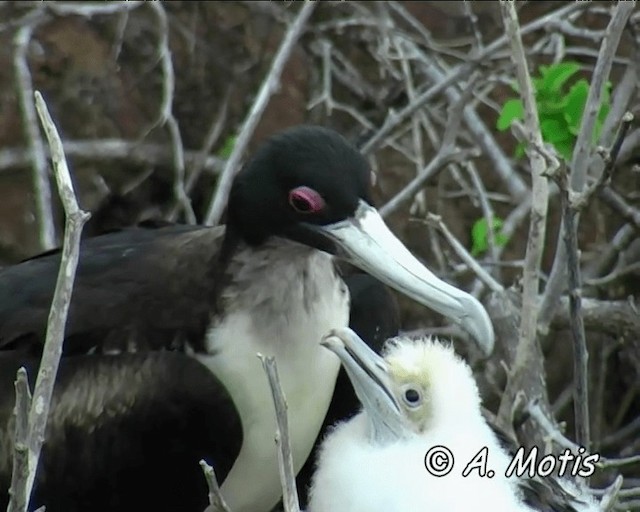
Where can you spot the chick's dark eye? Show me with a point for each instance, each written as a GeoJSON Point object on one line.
{"type": "Point", "coordinates": [306, 200]}
{"type": "Point", "coordinates": [412, 397]}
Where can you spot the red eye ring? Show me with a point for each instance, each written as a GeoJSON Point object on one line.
{"type": "Point", "coordinates": [306, 200]}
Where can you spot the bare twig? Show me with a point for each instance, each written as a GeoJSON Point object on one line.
{"type": "Point", "coordinates": [610, 496]}
{"type": "Point", "coordinates": [20, 473]}
{"type": "Point", "coordinates": [75, 219]}
{"type": "Point", "coordinates": [608, 316]}
{"type": "Point", "coordinates": [395, 119]}
{"type": "Point", "coordinates": [580, 352]}
{"type": "Point", "coordinates": [582, 154]}
{"type": "Point", "coordinates": [583, 147]}
{"type": "Point", "coordinates": [445, 155]}
{"type": "Point", "coordinates": [268, 87]}
{"type": "Point", "coordinates": [610, 157]}
{"type": "Point", "coordinates": [527, 336]}
{"type": "Point", "coordinates": [166, 113]}
{"type": "Point", "coordinates": [475, 124]}
{"type": "Point", "coordinates": [487, 210]}
{"type": "Point", "coordinates": [89, 10]}
{"type": "Point", "coordinates": [210, 140]}
{"type": "Point", "coordinates": [216, 500]}
{"type": "Point", "coordinates": [617, 203]}
{"type": "Point", "coordinates": [285, 459]}
{"type": "Point", "coordinates": [40, 176]}
{"type": "Point", "coordinates": [536, 413]}
{"type": "Point", "coordinates": [464, 254]}
{"type": "Point", "coordinates": [134, 152]}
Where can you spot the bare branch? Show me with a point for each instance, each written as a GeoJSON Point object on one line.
{"type": "Point", "coordinates": [52, 351]}
{"type": "Point", "coordinates": [210, 140]}
{"type": "Point", "coordinates": [89, 10]}
{"type": "Point", "coordinates": [40, 176]}
{"type": "Point", "coordinates": [464, 254]}
{"type": "Point", "coordinates": [268, 87]}
{"type": "Point", "coordinates": [527, 336]}
{"type": "Point", "coordinates": [610, 496]}
{"type": "Point", "coordinates": [582, 154]}
{"type": "Point", "coordinates": [166, 113]}
{"type": "Point", "coordinates": [216, 500]}
{"type": "Point", "coordinates": [445, 155]}
{"type": "Point", "coordinates": [580, 352]}
{"type": "Point", "coordinates": [285, 459]}
{"type": "Point", "coordinates": [107, 150]}
{"type": "Point", "coordinates": [19, 498]}
{"type": "Point", "coordinates": [583, 147]}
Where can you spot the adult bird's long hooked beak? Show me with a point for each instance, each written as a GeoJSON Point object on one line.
{"type": "Point", "coordinates": [365, 241]}
{"type": "Point", "coordinates": [369, 374]}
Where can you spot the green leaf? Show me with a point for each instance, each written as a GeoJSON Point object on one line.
{"type": "Point", "coordinates": [511, 110]}
{"type": "Point", "coordinates": [554, 130]}
{"type": "Point", "coordinates": [519, 150]}
{"type": "Point", "coordinates": [480, 235]}
{"type": "Point", "coordinates": [227, 147]}
{"type": "Point", "coordinates": [605, 106]}
{"type": "Point", "coordinates": [565, 148]}
{"type": "Point", "coordinates": [551, 106]}
{"type": "Point", "coordinates": [576, 99]}
{"type": "Point", "coordinates": [557, 75]}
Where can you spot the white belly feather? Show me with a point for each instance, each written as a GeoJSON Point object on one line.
{"type": "Point", "coordinates": [294, 304]}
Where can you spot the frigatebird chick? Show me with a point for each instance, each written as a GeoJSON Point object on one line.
{"type": "Point", "coordinates": [421, 408]}
{"type": "Point", "coordinates": [420, 431]}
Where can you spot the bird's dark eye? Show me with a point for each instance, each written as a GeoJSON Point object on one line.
{"type": "Point", "coordinates": [412, 397]}
{"type": "Point", "coordinates": [306, 200]}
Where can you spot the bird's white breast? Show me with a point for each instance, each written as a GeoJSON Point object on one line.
{"type": "Point", "coordinates": [281, 308]}
{"type": "Point", "coordinates": [354, 475]}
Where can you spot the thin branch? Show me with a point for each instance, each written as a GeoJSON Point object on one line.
{"type": "Point", "coordinates": [453, 76]}
{"type": "Point", "coordinates": [610, 158]}
{"type": "Point", "coordinates": [267, 89]}
{"type": "Point", "coordinates": [617, 203]}
{"type": "Point", "coordinates": [52, 350]}
{"type": "Point", "coordinates": [482, 274]}
{"type": "Point", "coordinates": [537, 414]}
{"type": "Point", "coordinates": [210, 140]}
{"type": "Point", "coordinates": [610, 496]}
{"type": "Point", "coordinates": [40, 175]}
{"type": "Point", "coordinates": [561, 440]}
{"type": "Point", "coordinates": [527, 336]}
{"type": "Point", "coordinates": [107, 150]}
{"type": "Point", "coordinates": [88, 10]}
{"type": "Point", "coordinates": [600, 75]}
{"type": "Point", "coordinates": [446, 155]}
{"type": "Point", "coordinates": [580, 352]}
{"type": "Point", "coordinates": [581, 154]}
{"type": "Point", "coordinates": [285, 459]}
{"type": "Point", "coordinates": [216, 500]}
{"type": "Point", "coordinates": [166, 113]}
{"type": "Point", "coordinates": [19, 498]}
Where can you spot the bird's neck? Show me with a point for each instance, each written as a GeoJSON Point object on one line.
{"type": "Point", "coordinates": [281, 300]}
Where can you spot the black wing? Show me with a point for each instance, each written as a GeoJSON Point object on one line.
{"type": "Point", "coordinates": [135, 289]}
{"type": "Point", "coordinates": [125, 433]}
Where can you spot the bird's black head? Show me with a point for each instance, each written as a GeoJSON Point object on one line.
{"type": "Point", "coordinates": [307, 175]}
{"type": "Point", "coordinates": [310, 185]}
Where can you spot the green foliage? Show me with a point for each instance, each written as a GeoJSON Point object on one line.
{"type": "Point", "coordinates": [227, 147]}
{"type": "Point", "coordinates": [480, 235]}
{"type": "Point", "coordinates": [560, 107]}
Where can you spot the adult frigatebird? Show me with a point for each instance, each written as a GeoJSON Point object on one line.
{"type": "Point", "coordinates": [159, 367]}
{"type": "Point", "coordinates": [421, 442]}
